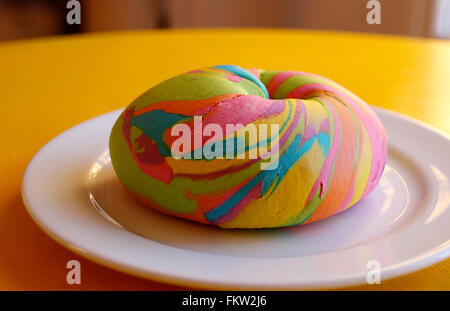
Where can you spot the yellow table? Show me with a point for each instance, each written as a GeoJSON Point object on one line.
{"type": "Point", "coordinates": [49, 85]}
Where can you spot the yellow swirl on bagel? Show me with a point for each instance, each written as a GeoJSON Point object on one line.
{"type": "Point", "coordinates": [323, 148]}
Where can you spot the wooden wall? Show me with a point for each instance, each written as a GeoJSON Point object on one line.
{"type": "Point", "coordinates": [404, 17]}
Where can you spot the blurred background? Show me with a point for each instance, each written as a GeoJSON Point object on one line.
{"type": "Point", "coordinates": [33, 18]}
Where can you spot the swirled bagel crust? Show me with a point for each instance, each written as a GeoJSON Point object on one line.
{"type": "Point", "coordinates": [331, 147]}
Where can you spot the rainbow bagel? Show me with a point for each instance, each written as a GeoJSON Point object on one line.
{"type": "Point", "coordinates": [250, 148]}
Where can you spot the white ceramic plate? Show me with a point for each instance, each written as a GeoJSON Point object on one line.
{"type": "Point", "coordinates": [71, 191]}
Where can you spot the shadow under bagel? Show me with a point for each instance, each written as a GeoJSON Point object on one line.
{"type": "Point", "coordinates": [116, 204]}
